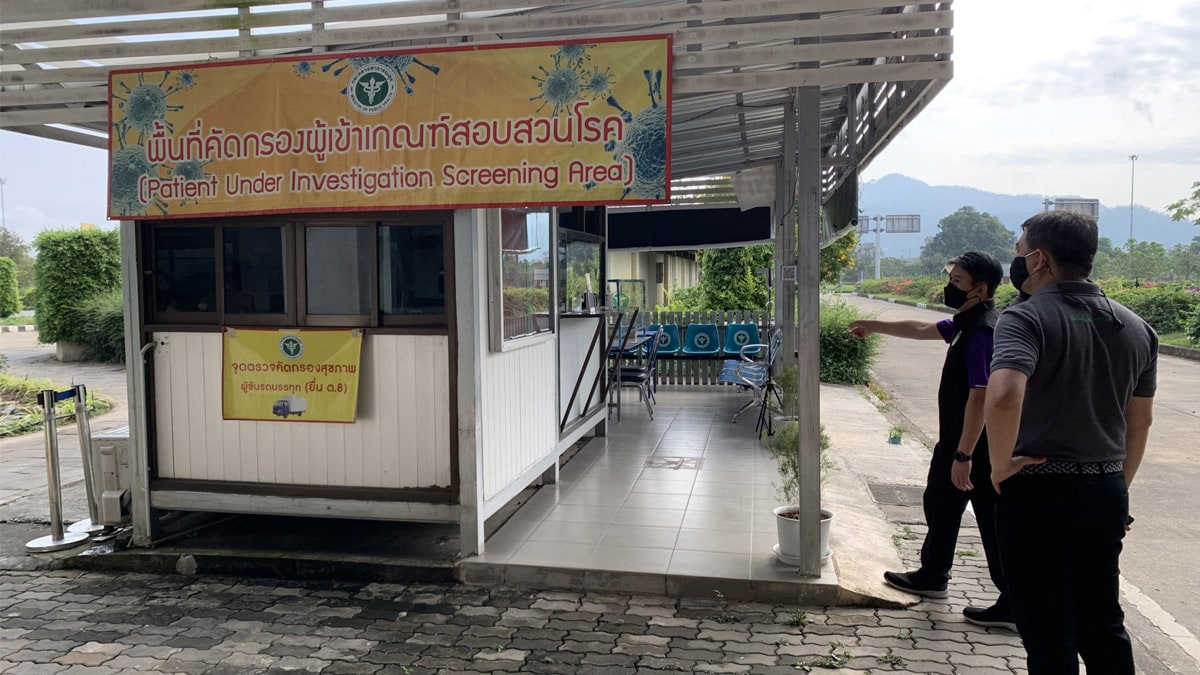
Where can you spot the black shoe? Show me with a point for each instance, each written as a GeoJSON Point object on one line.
{"type": "Point", "coordinates": [992, 617]}
{"type": "Point", "coordinates": [910, 583]}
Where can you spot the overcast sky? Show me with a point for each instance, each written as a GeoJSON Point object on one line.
{"type": "Point", "coordinates": [1048, 98]}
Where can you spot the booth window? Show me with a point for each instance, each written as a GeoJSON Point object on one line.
{"type": "Point", "coordinates": [520, 291]}
{"type": "Point", "coordinates": [344, 271]}
{"type": "Point", "coordinates": [253, 272]}
{"type": "Point", "coordinates": [337, 274]}
{"type": "Point", "coordinates": [184, 274]}
{"type": "Point", "coordinates": [412, 274]}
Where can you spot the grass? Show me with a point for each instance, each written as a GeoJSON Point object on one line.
{"type": "Point", "coordinates": [27, 414]}
{"type": "Point", "coordinates": [1176, 339]}
{"type": "Point", "coordinates": [17, 320]}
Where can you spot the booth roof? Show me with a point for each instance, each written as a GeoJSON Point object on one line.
{"type": "Point", "coordinates": [877, 63]}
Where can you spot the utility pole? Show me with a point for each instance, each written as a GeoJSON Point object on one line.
{"type": "Point", "coordinates": [1132, 168]}
{"type": "Point", "coordinates": [3, 221]}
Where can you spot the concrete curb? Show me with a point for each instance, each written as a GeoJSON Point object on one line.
{"type": "Point", "coordinates": [18, 329]}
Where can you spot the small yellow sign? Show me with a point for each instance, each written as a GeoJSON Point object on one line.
{"type": "Point", "coordinates": [290, 374]}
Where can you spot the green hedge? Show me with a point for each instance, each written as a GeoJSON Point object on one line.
{"type": "Point", "coordinates": [1006, 295]}
{"type": "Point", "coordinates": [71, 267]}
{"type": "Point", "coordinates": [1167, 310]}
{"type": "Point", "coordinates": [845, 359]}
{"type": "Point", "coordinates": [10, 299]}
{"type": "Point", "coordinates": [29, 299]}
{"type": "Point", "coordinates": [1192, 329]}
{"type": "Point", "coordinates": [101, 319]}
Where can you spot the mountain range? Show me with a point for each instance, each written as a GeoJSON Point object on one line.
{"type": "Point", "coordinates": [896, 194]}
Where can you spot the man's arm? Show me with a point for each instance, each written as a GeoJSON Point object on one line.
{"type": "Point", "coordinates": [1139, 414]}
{"type": "Point", "coordinates": [913, 330]}
{"type": "Point", "coordinates": [960, 474]}
{"type": "Point", "coordinates": [1002, 415]}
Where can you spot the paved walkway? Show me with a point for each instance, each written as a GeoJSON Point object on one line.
{"type": "Point", "coordinates": [108, 623]}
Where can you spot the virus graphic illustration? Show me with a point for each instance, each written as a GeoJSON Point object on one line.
{"type": "Point", "coordinates": [303, 68]}
{"type": "Point", "coordinates": [397, 63]}
{"type": "Point", "coordinates": [129, 164]}
{"type": "Point", "coordinates": [599, 83]}
{"type": "Point", "coordinates": [190, 169]}
{"type": "Point", "coordinates": [573, 55]}
{"type": "Point", "coordinates": [187, 79]}
{"type": "Point", "coordinates": [645, 141]}
{"type": "Point", "coordinates": [560, 87]}
{"type": "Point", "coordinates": [144, 105]}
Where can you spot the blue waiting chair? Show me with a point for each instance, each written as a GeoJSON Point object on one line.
{"type": "Point", "coordinates": [738, 336]}
{"type": "Point", "coordinates": [702, 339]}
{"type": "Point", "coordinates": [668, 341]}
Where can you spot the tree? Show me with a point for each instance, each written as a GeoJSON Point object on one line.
{"type": "Point", "coordinates": [968, 230]}
{"type": "Point", "coordinates": [728, 279]}
{"type": "Point", "coordinates": [15, 249]}
{"type": "Point", "coordinates": [1187, 208]}
{"type": "Point", "coordinates": [1140, 260]}
{"type": "Point", "coordinates": [10, 301]}
{"type": "Point", "coordinates": [836, 257]}
{"type": "Point", "coordinates": [1183, 260]}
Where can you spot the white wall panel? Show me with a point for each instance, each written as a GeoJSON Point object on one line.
{"type": "Point", "coordinates": [401, 437]}
{"type": "Point", "coordinates": [518, 412]}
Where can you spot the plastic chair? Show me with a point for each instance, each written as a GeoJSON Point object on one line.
{"type": "Point", "coordinates": [702, 339]}
{"type": "Point", "coordinates": [668, 341]}
{"type": "Point", "coordinates": [642, 376]}
{"type": "Point", "coordinates": [739, 335]}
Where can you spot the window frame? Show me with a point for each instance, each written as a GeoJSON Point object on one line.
{"type": "Point", "coordinates": [495, 283]}
{"type": "Point", "coordinates": [295, 275]}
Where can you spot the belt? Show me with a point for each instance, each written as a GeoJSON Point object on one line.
{"type": "Point", "coordinates": [1054, 466]}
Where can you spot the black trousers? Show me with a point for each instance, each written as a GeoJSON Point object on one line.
{"type": "Point", "coordinates": [944, 506]}
{"type": "Point", "coordinates": [1060, 540]}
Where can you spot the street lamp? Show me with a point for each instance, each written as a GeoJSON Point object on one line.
{"type": "Point", "coordinates": [1132, 167]}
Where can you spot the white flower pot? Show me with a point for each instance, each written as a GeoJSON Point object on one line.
{"type": "Point", "coordinates": [788, 549]}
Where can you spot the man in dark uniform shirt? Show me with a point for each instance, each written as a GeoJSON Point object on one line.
{"type": "Point", "coordinates": [959, 470]}
{"type": "Point", "coordinates": [1068, 414]}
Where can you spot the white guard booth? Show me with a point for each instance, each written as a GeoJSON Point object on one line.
{"type": "Point", "coordinates": [358, 238]}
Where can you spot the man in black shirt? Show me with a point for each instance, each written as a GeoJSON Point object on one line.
{"type": "Point", "coordinates": [1068, 412]}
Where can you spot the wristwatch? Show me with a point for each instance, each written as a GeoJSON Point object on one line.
{"type": "Point", "coordinates": [960, 457]}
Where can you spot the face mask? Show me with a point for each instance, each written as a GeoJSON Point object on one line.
{"type": "Point", "coordinates": [955, 297]}
{"type": "Point", "coordinates": [1017, 271]}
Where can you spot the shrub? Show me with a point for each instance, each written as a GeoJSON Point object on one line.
{"type": "Point", "coordinates": [10, 300]}
{"type": "Point", "coordinates": [101, 319]}
{"type": "Point", "coordinates": [1166, 310]}
{"type": "Point", "coordinates": [29, 299]}
{"type": "Point", "coordinates": [688, 299]}
{"type": "Point", "coordinates": [72, 267]}
{"type": "Point", "coordinates": [1006, 295]}
{"type": "Point", "coordinates": [873, 286]}
{"type": "Point", "coordinates": [845, 359]}
{"type": "Point", "coordinates": [1192, 329]}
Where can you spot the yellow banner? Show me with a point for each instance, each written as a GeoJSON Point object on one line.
{"type": "Point", "coordinates": [290, 374]}
{"type": "Point", "coordinates": [492, 125]}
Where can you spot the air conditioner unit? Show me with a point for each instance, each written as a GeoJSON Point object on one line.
{"type": "Point", "coordinates": [112, 475]}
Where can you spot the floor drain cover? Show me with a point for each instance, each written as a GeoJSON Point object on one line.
{"type": "Point", "coordinates": [674, 462]}
{"type": "Point", "coordinates": [896, 495]}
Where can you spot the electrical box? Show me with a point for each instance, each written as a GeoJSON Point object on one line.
{"type": "Point", "coordinates": [112, 475]}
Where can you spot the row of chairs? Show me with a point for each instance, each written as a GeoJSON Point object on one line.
{"type": "Point", "coordinates": [704, 339]}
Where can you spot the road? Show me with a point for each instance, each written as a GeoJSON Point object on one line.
{"type": "Point", "coordinates": [1159, 561]}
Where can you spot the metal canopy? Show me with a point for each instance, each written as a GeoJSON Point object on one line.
{"type": "Point", "coordinates": [877, 62]}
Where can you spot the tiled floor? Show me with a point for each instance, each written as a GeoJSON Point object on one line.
{"type": "Point", "coordinates": [701, 507]}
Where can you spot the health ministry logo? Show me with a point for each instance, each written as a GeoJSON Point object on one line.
{"type": "Point", "coordinates": [291, 347]}
{"type": "Point", "coordinates": [372, 89]}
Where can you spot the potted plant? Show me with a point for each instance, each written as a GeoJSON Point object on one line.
{"type": "Point", "coordinates": [783, 447]}
{"type": "Point", "coordinates": [896, 435]}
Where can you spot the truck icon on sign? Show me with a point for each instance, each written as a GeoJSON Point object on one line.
{"type": "Point", "coordinates": [289, 405]}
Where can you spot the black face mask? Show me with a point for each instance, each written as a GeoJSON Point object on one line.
{"type": "Point", "coordinates": [955, 297]}
{"type": "Point", "coordinates": [1017, 272]}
